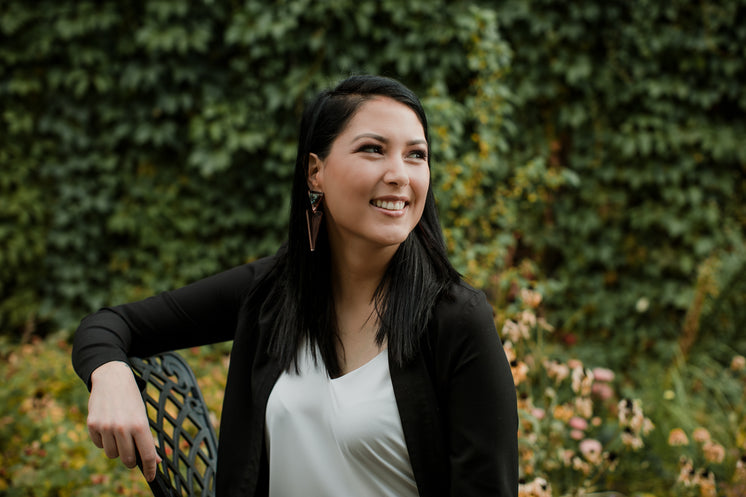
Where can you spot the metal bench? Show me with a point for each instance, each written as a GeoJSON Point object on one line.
{"type": "Point", "coordinates": [179, 418]}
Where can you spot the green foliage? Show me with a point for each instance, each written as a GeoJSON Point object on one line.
{"type": "Point", "coordinates": [44, 444]}
{"type": "Point", "coordinates": [724, 307]}
{"type": "Point", "coordinates": [45, 450]}
{"type": "Point", "coordinates": [576, 433]}
{"type": "Point", "coordinates": [706, 402]}
{"type": "Point", "coordinates": [152, 143]}
{"type": "Point", "coordinates": [592, 147]}
{"type": "Point", "coordinates": [22, 213]}
{"type": "Point", "coordinates": [583, 428]}
{"type": "Point", "coordinates": [589, 150]}
{"type": "Point", "coordinates": [44, 440]}
{"type": "Point", "coordinates": [643, 103]}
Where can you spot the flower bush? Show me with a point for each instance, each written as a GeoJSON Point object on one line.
{"type": "Point", "coordinates": [44, 446]}
{"type": "Point", "coordinates": [582, 425]}
{"type": "Point", "coordinates": [574, 426]}
{"type": "Point", "coordinates": [710, 466]}
{"type": "Point", "coordinates": [697, 477]}
{"type": "Point", "coordinates": [43, 435]}
{"type": "Point", "coordinates": [583, 428]}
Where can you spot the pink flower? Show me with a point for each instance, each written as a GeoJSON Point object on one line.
{"type": "Point", "coordinates": [631, 440]}
{"type": "Point", "coordinates": [538, 413]}
{"type": "Point", "coordinates": [556, 370]}
{"type": "Point", "coordinates": [602, 390]}
{"type": "Point", "coordinates": [574, 363]}
{"type": "Point", "coordinates": [530, 298]}
{"type": "Point", "coordinates": [537, 488]}
{"type": "Point", "coordinates": [528, 319]}
{"type": "Point", "coordinates": [603, 374]}
{"type": "Point", "coordinates": [686, 470]}
{"type": "Point", "coordinates": [701, 435]}
{"type": "Point", "coordinates": [520, 372]}
{"type": "Point", "coordinates": [577, 434]}
{"type": "Point", "coordinates": [705, 480]}
{"type": "Point", "coordinates": [582, 380]}
{"type": "Point", "coordinates": [591, 450]}
{"type": "Point", "coordinates": [714, 452]}
{"type": "Point", "coordinates": [515, 331]}
{"type": "Point", "coordinates": [578, 423]}
{"type": "Point", "coordinates": [677, 437]}
{"type": "Point", "coordinates": [509, 351]}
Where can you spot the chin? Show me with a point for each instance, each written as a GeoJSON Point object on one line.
{"type": "Point", "coordinates": [393, 239]}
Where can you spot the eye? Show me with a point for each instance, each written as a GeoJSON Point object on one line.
{"type": "Point", "coordinates": [371, 148]}
{"type": "Point", "coordinates": [418, 154]}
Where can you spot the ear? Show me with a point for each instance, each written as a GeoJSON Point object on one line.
{"type": "Point", "coordinates": [315, 165]}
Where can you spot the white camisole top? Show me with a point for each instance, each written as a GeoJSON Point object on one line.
{"type": "Point", "coordinates": [337, 437]}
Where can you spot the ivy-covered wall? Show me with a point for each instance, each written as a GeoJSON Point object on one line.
{"type": "Point", "coordinates": [147, 144]}
{"type": "Point", "coordinates": [593, 148]}
{"type": "Point", "coordinates": [645, 103]}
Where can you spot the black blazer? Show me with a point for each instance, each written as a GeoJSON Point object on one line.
{"type": "Point", "coordinates": [456, 398]}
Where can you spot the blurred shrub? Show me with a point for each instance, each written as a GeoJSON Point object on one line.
{"type": "Point", "coordinates": [700, 408]}
{"type": "Point", "coordinates": [577, 433]}
{"type": "Point", "coordinates": [583, 428]}
{"type": "Point", "coordinates": [643, 103]}
{"type": "Point", "coordinates": [151, 143]}
{"type": "Point", "coordinates": [592, 146]}
{"type": "Point", "coordinates": [45, 450]}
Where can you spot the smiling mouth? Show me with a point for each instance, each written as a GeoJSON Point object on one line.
{"type": "Point", "coordinates": [388, 205]}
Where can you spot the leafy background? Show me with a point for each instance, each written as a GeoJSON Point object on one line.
{"type": "Point", "coordinates": [591, 151]}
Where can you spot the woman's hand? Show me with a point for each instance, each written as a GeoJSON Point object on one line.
{"type": "Point", "coordinates": [117, 419]}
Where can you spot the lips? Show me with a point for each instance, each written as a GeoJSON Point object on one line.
{"type": "Point", "coordinates": [389, 205]}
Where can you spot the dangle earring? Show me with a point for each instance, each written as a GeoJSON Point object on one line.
{"type": "Point", "coordinates": [313, 217]}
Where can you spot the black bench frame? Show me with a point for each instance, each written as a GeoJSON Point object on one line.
{"type": "Point", "coordinates": [180, 421]}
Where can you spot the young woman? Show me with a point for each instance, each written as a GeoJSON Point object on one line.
{"type": "Point", "coordinates": [362, 365]}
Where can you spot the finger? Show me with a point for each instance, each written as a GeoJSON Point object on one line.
{"type": "Point", "coordinates": [95, 437]}
{"type": "Point", "coordinates": [148, 455]}
{"type": "Point", "coordinates": [110, 445]}
{"type": "Point", "coordinates": [126, 446]}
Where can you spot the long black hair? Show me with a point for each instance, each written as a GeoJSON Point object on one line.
{"type": "Point", "coordinates": [301, 294]}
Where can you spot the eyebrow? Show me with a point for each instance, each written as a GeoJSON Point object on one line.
{"type": "Point", "coordinates": [418, 141]}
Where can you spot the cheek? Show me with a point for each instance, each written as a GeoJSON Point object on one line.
{"type": "Point", "coordinates": [420, 183]}
{"type": "Point", "coordinates": [343, 190]}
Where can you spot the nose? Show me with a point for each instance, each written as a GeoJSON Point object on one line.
{"type": "Point", "coordinates": [396, 172]}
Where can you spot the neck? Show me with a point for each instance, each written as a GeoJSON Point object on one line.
{"type": "Point", "coordinates": [357, 272]}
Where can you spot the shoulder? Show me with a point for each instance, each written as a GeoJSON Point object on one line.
{"type": "Point", "coordinates": [264, 266]}
{"type": "Point", "coordinates": [462, 325]}
{"type": "Point", "coordinates": [253, 279]}
{"type": "Point", "coordinates": [250, 274]}
{"type": "Point", "coordinates": [462, 305]}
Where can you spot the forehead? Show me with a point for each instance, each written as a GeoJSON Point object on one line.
{"type": "Point", "coordinates": [386, 117]}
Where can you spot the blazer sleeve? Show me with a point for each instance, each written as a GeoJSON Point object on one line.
{"type": "Point", "coordinates": [201, 313]}
{"type": "Point", "coordinates": [480, 400]}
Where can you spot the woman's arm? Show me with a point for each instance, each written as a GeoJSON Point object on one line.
{"type": "Point", "coordinates": [482, 418]}
{"type": "Point", "coordinates": [117, 419]}
{"type": "Point", "coordinates": [201, 313]}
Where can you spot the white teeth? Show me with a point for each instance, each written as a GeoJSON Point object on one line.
{"type": "Point", "coordinates": [389, 206]}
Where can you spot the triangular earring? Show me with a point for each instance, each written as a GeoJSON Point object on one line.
{"type": "Point", "coordinates": [313, 217]}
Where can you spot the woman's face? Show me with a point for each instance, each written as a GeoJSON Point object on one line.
{"type": "Point", "coordinates": [375, 177]}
